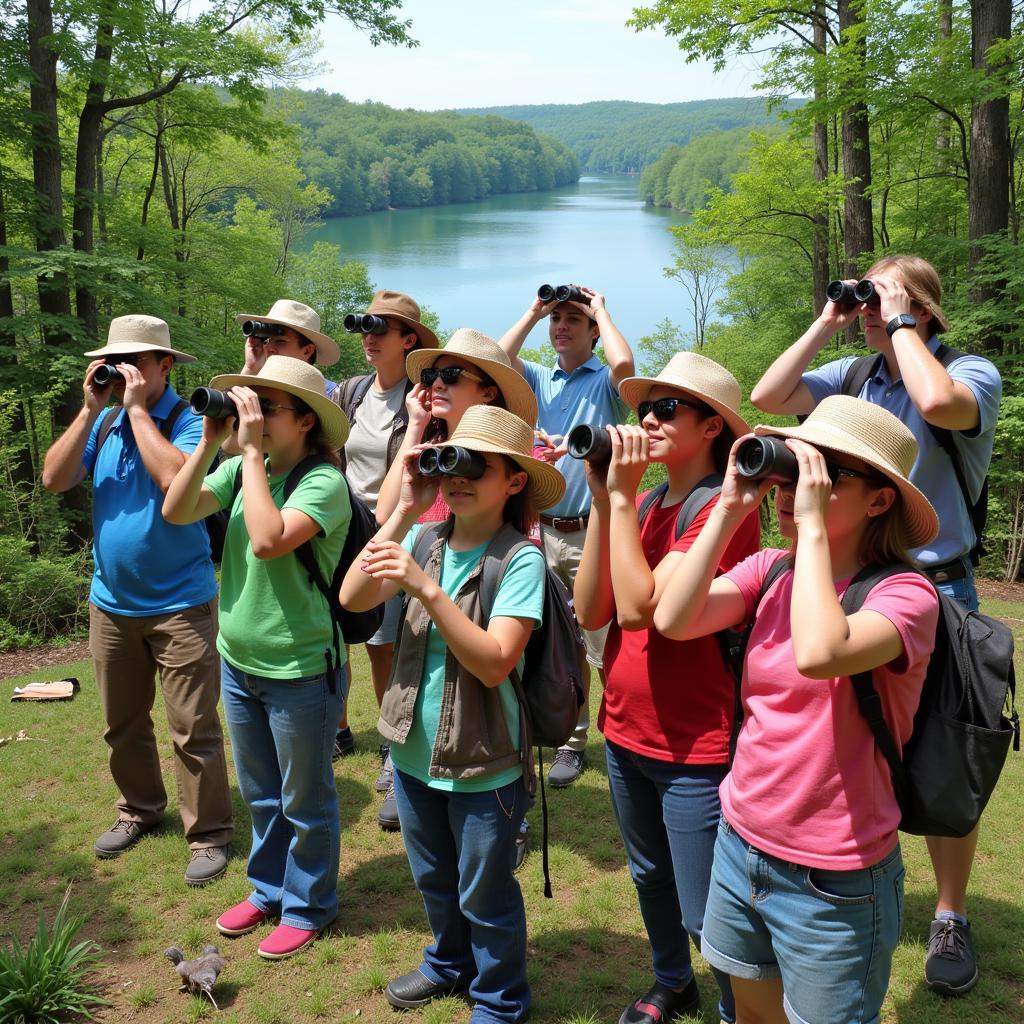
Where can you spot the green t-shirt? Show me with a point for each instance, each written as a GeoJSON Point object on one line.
{"type": "Point", "coordinates": [273, 621]}
{"type": "Point", "coordinates": [520, 594]}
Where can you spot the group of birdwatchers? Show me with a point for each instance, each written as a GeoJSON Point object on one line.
{"type": "Point", "coordinates": [781, 863]}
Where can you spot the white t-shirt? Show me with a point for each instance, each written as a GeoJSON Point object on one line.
{"type": "Point", "coordinates": [366, 450]}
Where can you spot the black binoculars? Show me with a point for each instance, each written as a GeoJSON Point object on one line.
{"type": "Point", "coordinates": [106, 374]}
{"type": "Point", "coordinates": [451, 460]}
{"type": "Point", "coordinates": [589, 442]}
{"type": "Point", "coordinates": [844, 294]}
{"type": "Point", "coordinates": [219, 405]}
{"type": "Point", "coordinates": [766, 458]}
{"type": "Point", "coordinates": [365, 323]}
{"type": "Point", "coordinates": [561, 293]}
{"type": "Point", "coordinates": [258, 329]}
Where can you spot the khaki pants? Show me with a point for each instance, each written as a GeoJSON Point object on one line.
{"type": "Point", "coordinates": [128, 652]}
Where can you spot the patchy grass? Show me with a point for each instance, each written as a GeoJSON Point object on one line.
{"type": "Point", "coordinates": [588, 951]}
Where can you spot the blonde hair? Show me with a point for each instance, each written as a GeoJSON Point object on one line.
{"type": "Point", "coordinates": [921, 281]}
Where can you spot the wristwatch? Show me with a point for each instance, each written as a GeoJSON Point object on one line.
{"type": "Point", "coordinates": [903, 320]}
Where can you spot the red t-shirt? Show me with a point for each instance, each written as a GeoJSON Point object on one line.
{"type": "Point", "coordinates": [672, 700]}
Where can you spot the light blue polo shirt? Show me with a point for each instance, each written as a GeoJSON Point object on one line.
{"type": "Point", "coordinates": [564, 400]}
{"type": "Point", "coordinates": [144, 565]}
{"type": "Point", "coordinates": [933, 471]}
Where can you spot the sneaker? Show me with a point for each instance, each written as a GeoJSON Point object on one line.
{"type": "Point", "coordinates": [206, 865]}
{"type": "Point", "coordinates": [387, 816]}
{"type": "Point", "coordinates": [566, 767]}
{"type": "Point", "coordinates": [522, 844]}
{"type": "Point", "coordinates": [241, 918]}
{"type": "Point", "coordinates": [950, 968]}
{"type": "Point", "coordinates": [284, 941]}
{"type": "Point", "coordinates": [344, 744]}
{"type": "Point", "coordinates": [121, 836]}
{"type": "Point", "coordinates": [387, 770]}
{"type": "Point", "coordinates": [661, 1004]}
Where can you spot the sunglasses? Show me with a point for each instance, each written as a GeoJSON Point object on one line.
{"type": "Point", "coordinates": [449, 375]}
{"type": "Point", "coordinates": [664, 409]}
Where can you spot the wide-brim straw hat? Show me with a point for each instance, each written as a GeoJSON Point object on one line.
{"type": "Point", "coordinates": [403, 307]}
{"type": "Point", "coordinates": [486, 428]}
{"type": "Point", "coordinates": [137, 332]}
{"type": "Point", "coordinates": [872, 434]}
{"type": "Point", "coordinates": [489, 356]}
{"type": "Point", "coordinates": [296, 378]}
{"type": "Point", "coordinates": [302, 318]}
{"type": "Point", "coordinates": [700, 377]}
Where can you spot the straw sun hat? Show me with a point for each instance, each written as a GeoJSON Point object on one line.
{"type": "Point", "coordinates": [137, 332]}
{"type": "Point", "coordinates": [296, 378]}
{"type": "Point", "coordinates": [700, 377]}
{"type": "Point", "coordinates": [486, 428]}
{"type": "Point", "coordinates": [302, 318]}
{"type": "Point", "coordinates": [872, 434]}
{"type": "Point", "coordinates": [402, 307]}
{"type": "Point", "coordinates": [489, 356]}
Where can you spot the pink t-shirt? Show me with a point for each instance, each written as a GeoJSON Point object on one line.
{"type": "Point", "coordinates": [809, 784]}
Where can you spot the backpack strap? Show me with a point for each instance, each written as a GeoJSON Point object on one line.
{"type": "Point", "coordinates": [167, 427]}
{"type": "Point", "coordinates": [106, 426]}
{"type": "Point", "coordinates": [859, 372]}
{"type": "Point", "coordinates": [352, 391]}
{"type": "Point", "coordinates": [689, 507]}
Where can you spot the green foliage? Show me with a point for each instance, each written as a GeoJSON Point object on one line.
{"type": "Point", "coordinates": [47, 979]}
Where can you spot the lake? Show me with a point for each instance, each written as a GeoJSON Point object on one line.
{"type": "Point", "coordinates": [480, 264]}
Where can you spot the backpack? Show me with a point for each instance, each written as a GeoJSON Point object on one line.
{"type": "Point", "coordinates": [217, 522]}
{"type": "Point", "coordinates": [701, 494]}
{"type": "Point", "coordinates": [861, 370]}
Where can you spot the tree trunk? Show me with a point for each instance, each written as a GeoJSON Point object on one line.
{"type": "Point", "coordinates": [820, 266]}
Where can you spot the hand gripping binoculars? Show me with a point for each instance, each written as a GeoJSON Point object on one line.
{"type": "Point", "coordinates": [365, 323]}
{"type": "Point", "coordinates": [562, 293]}
{"type": "Point", "coordinates": [844, 294]}
{"type": "Point", "coordinates": [451, 460]}
{"type": "Point", "coordinates": [106, 374]}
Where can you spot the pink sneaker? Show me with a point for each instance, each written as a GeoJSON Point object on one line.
{"type": "Point", "coordinates": [285, 940]}
{"type": "Point", "coordinates": [241, 918]}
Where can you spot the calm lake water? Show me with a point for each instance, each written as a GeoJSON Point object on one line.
{"type": "Point", "coordinates": [480, 264]}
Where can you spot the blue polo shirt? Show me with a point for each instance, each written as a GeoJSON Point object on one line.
{"type": "Point", "coordinates": [144, 565]}
{"type": "Point", "coordinates": [933, 471]}
{"type": "Point", "coordinates": [564, 400]}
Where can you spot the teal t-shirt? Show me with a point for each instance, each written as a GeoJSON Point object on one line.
{"type": "Point", "coordinates": [273, 621]}
{"type": "Point", "coordinates": [521, 595]}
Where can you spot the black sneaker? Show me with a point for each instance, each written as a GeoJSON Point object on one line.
{"type": "Point", "coordinates": [387, 770]}
{"type": "Point", "coordinates": [660, 1004]}
{"type": "Point", "coordinates": [387, 816]}
{"type": "Point", "coordinates": [950, 968]}
{"type": "Point", "coordinates": [344, 744]}
{"type": "Point", "coordinates": [522, 844]}
{"type": "Point", "coordinates": [566, 767]}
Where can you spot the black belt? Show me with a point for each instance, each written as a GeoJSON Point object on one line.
{"type": "Point", "coordinates": [565, 524]}
{"type": "Point", "coordinates": [947, 572]}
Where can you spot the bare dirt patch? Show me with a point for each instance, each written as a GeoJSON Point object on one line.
{"type": "Point", "coordinates": [28, 659]}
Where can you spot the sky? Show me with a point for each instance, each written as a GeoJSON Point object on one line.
{"type": "Point", "coordinates": [476, 53]}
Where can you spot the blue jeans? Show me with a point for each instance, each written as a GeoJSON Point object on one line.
{"type": "Point", "coordinates": [829, 935]}
{"type": "Point", "coordinates": [668, 815]}
{"type": "Point", "coordinates": [282, 735]}
{"type": "Point", "coordinates": [461, 849]}
{"type": "Point", "coordinates": [963, 590]}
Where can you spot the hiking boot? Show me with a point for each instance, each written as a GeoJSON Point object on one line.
{"type": "Point", "coordinates": [121, 836]}
{"type": "Point", "coordinates": [661, 1004]}
{"type": "Point", "coordinates": [387, 816]}
{"type": "Point", "coordinates": [416, 989]}
{"type": "Point", "coordinates": [387, 770]}
{"type": "Point", "coordinates": [344, 744]}
{"type": "Point", "coordinates": [950, 968]}
{"type": "Point", "coordinates": [206, 865]}
{"type": "Point", "coordinates": [566, 767]}
{"type": "Point", "coordinates": [522, 844]}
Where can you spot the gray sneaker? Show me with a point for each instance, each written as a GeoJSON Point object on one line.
{"type": "Point", "coordinates": [206, 865]}
{"type": "Point", "coordinates": [121, 836]}
{"type": "Point", "coordinates": [950, 967]}
{"type": "Point", "coordinates": [566, 767]}
{"type": "Point", "coordinates": [387, 771]}
{"type": "Point", "coordinates": [387, 816]}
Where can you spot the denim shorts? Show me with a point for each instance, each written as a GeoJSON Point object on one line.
{"type": "Point", "coordinates": [388, 632]}
{"type": "Point", "coordinates": [829, 935]}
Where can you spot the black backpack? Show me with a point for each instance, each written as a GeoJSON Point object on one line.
{"type": "Point", "coordinates": [689, 507]}
{"type": "Point", "coordinates": [217, 522]}
{"type": "Point", "coordinates": [863, 369]}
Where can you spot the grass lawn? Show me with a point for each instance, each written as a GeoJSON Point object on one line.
{"type": "Point", "coordinates": [588, 951]}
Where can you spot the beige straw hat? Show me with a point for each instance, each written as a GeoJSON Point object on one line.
{"type": "Point", "coordinates": [301, 318]}
{"type": "Point", "coordinates": [698, 376]}
{"type": "Point", "coordinates": [402, 307]}
{"type": "Point", "coordinates": [872, 434]}
{"type": "Point", "coordinates": [296, 378]}
{"type": "Point", "coordinates": [478, 349]}
{"type": "Point", "coordinates": [139, 333]}
{"type": "Point", "coordinates": [486, 428]}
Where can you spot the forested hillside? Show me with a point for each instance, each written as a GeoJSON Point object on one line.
{"type": "Point", "coordinates": [369, 156]}
{"type": "Point", "coordinates": [617, 135]}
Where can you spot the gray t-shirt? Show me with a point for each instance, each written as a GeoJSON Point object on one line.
{"type": "Point", "coordinates": [366, 450]}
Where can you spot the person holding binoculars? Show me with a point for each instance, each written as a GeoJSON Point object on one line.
{"type": "Point", "coordinates": [284, 673]}
{"type": "Point", "coordinates": [578, 389]}
{"type": "Point", "coordinates": [666, 727]}
{"type": "Point", "coordinates": [805, 905]}
{"type": "Point", "coordinates": [950, 402]}
{"type": "Point", "coordinates": [450, 711]}
{"type": "Point", "coordinates": [153, 599]}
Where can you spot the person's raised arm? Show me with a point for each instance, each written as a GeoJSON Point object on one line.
{"type": "Point", "coordinates": [417, 403]}
{"type": "Point", "coordinates": [616, 349]}
{"type": "Point", "coordinates": [160, 457]}
{"type": "Point", "coordinates": [512, 340]}
{"type": "Point", "coordinates": [592, 596]}
{"type": "Point", "coordinates": [62, 466]}
{"type": "Point", "coordinates": [186, 499]}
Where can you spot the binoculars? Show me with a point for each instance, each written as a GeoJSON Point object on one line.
{"type": "Point", "coordinates": [258, 329]}
{"type": "Point", "coordinates": [218, 405]}
{"type": "Point", "coordinates": [589, 442]}
{"type": "Point", "coordinates": [451, 460]}
{"type": "Point", "coordinates": [106, 374]}
{"type": "Point", "coordinates": [365, 323]}
{"type": "Point", "coordinates": [766, 458]}
{"type": "Point", "coordinates": [844, 294]}
{"type": "Point", "coordinates": [561, 293]}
